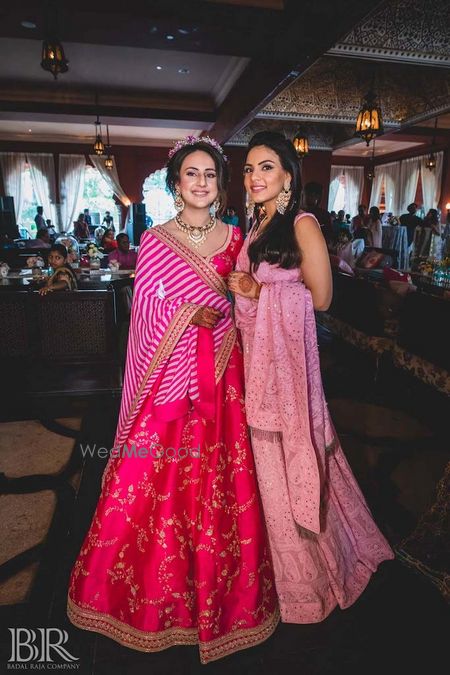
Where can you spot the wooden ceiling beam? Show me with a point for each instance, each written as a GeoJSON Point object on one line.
{"type": "Point", "coordinates": [310, 29]}
{"type": "Point", "coordinates": [77, 101]}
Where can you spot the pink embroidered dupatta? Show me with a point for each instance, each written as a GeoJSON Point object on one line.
{"type": "Point", "coordinates": [283, 382]}
{"type": "Point", "coordinates": [178, 364]}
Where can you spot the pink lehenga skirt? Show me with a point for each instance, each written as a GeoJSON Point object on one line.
{"type": "Point", "coordinates": [316, 572]}
{"type": "Point", "coordinates": [176, 552]}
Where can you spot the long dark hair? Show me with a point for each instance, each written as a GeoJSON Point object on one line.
{"type": "Point", "coordinates": [277, 244]}
{"type": "Point", "coordinates": [175, 162]}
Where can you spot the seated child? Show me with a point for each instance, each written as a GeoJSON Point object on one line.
{"type": "Point", "coordinates": [63, 277]}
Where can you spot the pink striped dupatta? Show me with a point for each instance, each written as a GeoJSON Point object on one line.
{"type": "Point", "coordinates": [176, 362]}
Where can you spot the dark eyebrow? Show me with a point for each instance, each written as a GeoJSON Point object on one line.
{"type": "Point", "coordinates": [196, 169]}
{"type": "Point", "coordinates": [263, 162]}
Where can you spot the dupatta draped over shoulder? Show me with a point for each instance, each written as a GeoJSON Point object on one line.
{"type": "Point", "coordinates": [283, 382]}
{"type": "Point", "coordinates": [174, 361]}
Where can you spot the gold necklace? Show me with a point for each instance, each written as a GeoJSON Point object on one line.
{"type": "Point", "coordinates": [196, 234]}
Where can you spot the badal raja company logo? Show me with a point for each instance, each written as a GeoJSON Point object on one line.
{"type": "Point", "coordinates": [40, 649]}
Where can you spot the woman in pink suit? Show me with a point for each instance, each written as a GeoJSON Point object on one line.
{"type": "Point", "coordinates": [176, 552]}
{"type": "Point", "coordinates": [323, 540]}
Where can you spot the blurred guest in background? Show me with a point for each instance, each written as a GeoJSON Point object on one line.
{"type": "Point", "coordinates": [63, 277]}
{"type": "Point", "coordinates": [87, 217]}
{"type": "Point", "coordinates": [80, 228]}
{"type": "Point", "coordinates": [231, 217]}
{"type": "Point", "coordinates": [312, 195]}
{"type": "Point", "coordinates": [108, 222]}
{"type": "Point", "coordinates": [374, 227]}
{"type": "Point", "coordinates": [39, 218]}
{"type": "Point", "coordinates": [126, 258]}
{"type": "Point", "coordinates": [108, 242]}
{"type": "Point", "coordinates": [410, 220]}
{"type": "Point", "coordinates": [361, 219]}
{"type": "Point", "coordinates": [340, 224]}
{"type": "Point", "coordinates": [42, 239]}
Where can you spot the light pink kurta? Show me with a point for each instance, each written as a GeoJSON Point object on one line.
{"type": "Point", "coordinates": [324, 542]}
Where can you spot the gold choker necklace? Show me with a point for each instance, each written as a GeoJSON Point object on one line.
{"type": "Point", "coordinates": [196, 234]}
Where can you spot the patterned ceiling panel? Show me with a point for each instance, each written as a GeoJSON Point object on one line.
{"type": "Point", "coordinates": [403, 30]}
{"type": "Point", "coordinates": [333, 89]}
{"type": "Point", "coordinates": [320, 136]}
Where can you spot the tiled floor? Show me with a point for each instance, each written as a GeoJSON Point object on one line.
{"type": "Point", "coordinates": [393, 436]}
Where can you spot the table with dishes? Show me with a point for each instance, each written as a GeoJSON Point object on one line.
{"type": "Point", "coordinates": [87, 279]}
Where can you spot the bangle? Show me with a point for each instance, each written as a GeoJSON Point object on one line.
{"type": "Point", "coordinates": [258, 291]}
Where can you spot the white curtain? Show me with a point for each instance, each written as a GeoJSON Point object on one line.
{"type": "Point", "coordinates": [409, 177]}
{"type": "Point", "coordinates": [111, 177]}
{"type": "Point", "coordinates": [431, 182]}
{"type": "Point", "coordinates": [42, 168]}
{"type": "Point", "coordinates": [13, 164]}
{"type": "Point", "coordinates": [336, 173]}
{"type": "Point", "coordinates": [377, 184]}
{"type": "Point", "coordinates": [354, 180]}
{"type": "Point", "coordinates": [391, 187]}
{"type": "Point", "coordinates": [71, 186]}
{"type": "Point", "coordinates": [390, 175]}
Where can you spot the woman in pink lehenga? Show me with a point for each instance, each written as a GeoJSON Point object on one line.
{"type": "Point", "coordinates": [176, 552]}
{"type": "Point", "coordinates": [323, 540]}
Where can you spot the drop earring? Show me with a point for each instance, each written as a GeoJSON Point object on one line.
{"type": "Point", "coordinates": [178, 201]}
{"type": "Point", "coordinates": [283, 199]}
{"type": "Point", "coordinates": [250, 207]}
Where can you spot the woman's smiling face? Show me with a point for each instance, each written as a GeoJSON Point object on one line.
{"type": "Point", "coordinates": [264, 176]}
{"type": "Point", "coordinates": [198, 180]}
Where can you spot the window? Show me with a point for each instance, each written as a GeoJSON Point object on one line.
{"type": "Point", "coordinates": [157, 198]}
{"type": "Point", "coordinates": [98, 198]}
{"type": "Point", "coordinates": [27, 226]}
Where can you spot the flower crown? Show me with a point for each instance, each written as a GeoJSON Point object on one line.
{"type": "Point", "coordinates": [193, 140]}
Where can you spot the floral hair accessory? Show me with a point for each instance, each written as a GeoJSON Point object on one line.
{"type": "Point", "coordinates": [193, 140]}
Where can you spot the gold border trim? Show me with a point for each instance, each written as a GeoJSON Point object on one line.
{"type": "Point", "coordinates": [174, 331]}
{"type": "Point", "coordinates": [195, 260]}
{"type": "Point", "coordinates": [224, 353]}
{"type": "Point", "coordinates": [143, 641]}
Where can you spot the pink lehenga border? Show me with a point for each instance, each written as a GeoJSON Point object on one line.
{"type": "Point", "coordinates": [126, 635]}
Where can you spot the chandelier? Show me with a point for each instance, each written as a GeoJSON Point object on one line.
{"type": "Point", "coordinates": [369, 122]}
{"type": "Point", "coordinates": [301, 144]}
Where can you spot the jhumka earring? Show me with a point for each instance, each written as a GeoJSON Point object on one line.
{"type": "Point", "coordinates": [283, 199]}
{"type": "Point", "coordinates": [178, 201]}
{"type": "Point", "coordinates": [250, 207]}
{"type": "Point", "coordinates": [215, 206]}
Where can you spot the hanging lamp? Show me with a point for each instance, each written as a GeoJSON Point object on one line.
{"type": "Point", "coordinates": [53, 57]}
{"type": "Point", "coordinates": [369, 122]}
{"type": "Point", "coordinates": [109, 164]}
{"type": "Point", "coordinates": [301, 144]}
